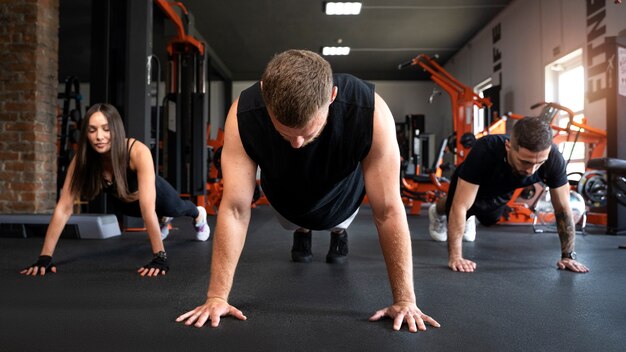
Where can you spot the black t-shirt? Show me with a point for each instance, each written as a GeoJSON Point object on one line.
{"type": "Point", "coordinates": [486, 166]}
{"type": "Point", "coordinates": [321, 184]}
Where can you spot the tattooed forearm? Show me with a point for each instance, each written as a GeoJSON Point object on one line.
{"type": "Point", "coordinates": [566, 230]}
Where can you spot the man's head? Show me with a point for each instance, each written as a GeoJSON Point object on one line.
{"type": "Point", "coordinates": [529, 147]}
{"type": "Point", "coordinates": [297, 88]}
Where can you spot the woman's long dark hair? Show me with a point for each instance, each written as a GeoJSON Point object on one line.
{"type": "Point", "coordinates": [87, 179]}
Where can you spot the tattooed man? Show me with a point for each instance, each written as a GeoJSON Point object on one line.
{"type": "Point", "coordinates": [481, 186]}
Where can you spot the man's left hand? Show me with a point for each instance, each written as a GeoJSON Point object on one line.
{"type": "Point", "coordinates": [572, 265]}
{"type": "Point", "coordinates": [405, 312]}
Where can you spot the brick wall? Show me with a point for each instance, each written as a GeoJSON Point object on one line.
{"type": "Point", "coordinates": [28, 105]}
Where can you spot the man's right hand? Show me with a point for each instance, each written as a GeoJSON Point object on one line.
{"type": "Point", "coordinates": [462, 265]}
{"type": "Point", "coordinates": [42, 265]}
{"type": "Point", "coordinates": [213, 310]}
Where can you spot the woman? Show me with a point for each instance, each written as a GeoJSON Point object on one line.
{"type": "Point", "coordinates": [107, 161]}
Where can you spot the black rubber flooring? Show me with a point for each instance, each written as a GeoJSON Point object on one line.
{"type": "Point", "coordinates": [516, 301]}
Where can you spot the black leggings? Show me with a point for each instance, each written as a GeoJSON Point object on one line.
{"type": "Point", "coordinates": [168, 203]}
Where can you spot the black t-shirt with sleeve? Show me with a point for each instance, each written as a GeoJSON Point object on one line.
{"type": "Point", "coordinates": [486, 165]}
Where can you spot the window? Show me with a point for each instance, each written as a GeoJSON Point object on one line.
{"type": "Point", "coordinates": [565, 85]}
{"type": "Point", "coordinates": [479, 114]}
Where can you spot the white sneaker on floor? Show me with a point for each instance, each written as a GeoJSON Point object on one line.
{"type": "Point", "coordinates": [470, 229]}
{"type": "Point", "coordinates": [203, 231]}
{"type": "Point", "coordinates": [438, 227]}
{"type": "Point", "coordinates": [164, 223]}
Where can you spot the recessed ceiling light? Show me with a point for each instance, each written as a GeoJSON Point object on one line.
{"type": "Point", "coordinates": [342, 8]}
{"type": "Point", "coordinates": [335, 50]}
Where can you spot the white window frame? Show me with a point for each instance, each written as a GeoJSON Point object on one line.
{"type": "Point", "coordinates": [479, 114]}
{"type": "Point", "coordinates": [553, 72]}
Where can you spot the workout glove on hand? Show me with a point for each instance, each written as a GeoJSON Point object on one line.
{"type": "Point", "coordinates": [43, 262]}
{"type": "Point", "coordinates": [159, 261]}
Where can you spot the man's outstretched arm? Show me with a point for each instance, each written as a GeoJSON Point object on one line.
{"type": "Point", "coordinates": [566, 229]}
{"type": "Point", "coordinates": [464, 197]}
{"type": "Point", "coordinates": [381, 170]}
{"type": "Point", "coordinates": [239, 175]}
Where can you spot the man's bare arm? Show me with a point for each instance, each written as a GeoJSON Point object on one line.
{"type": "Point", "coordinates": [464, 197]}
{"type": "Point", "coordinates": [239, 175]}
{"type": "Point", "coordinates": [381, 169]}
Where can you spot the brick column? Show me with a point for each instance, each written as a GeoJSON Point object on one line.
{"type": "Point", "coordinates": [28, 105]}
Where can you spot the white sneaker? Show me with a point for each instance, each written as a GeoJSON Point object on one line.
{"type": "Point", "coordinates": [203, 231]}
{"type": "Point", "coordinates": [470, 229]}
{"type": "Point", "coordinates": [438, 227]}
{"type": "Point", "coordinates": [164, 223]}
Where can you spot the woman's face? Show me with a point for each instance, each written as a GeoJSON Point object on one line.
{"type": "Point", "coordinates": [98, 133]}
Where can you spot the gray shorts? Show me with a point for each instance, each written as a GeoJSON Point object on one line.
{"type": "Point", "coordinates": [288, 225]}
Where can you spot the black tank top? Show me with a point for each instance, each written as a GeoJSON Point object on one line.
{"type": "Point", "coordinates": [320, 185]}
{"type": "Point", "coordinates": [131, 177]}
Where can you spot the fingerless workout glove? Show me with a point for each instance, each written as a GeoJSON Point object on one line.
{"type": "Point", "coordinates": [159, 261]}
{"type": "Point", "coordinates": [44, 261]}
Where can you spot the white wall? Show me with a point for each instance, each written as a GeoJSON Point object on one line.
{"type": "Point", "coordinates": [406, 98]}
{"type": "Point", "coordinates": [240, 86]}
{"type": "Point", "coordinates": [216, 107]}
{"type": "Point", "coordinates": [534, 34]}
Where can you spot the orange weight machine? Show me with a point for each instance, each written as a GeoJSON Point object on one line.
{"type": "Point", "coordinates": [424, 188]}
{"type": "Point", "coordinates": [182, 41]}
{"type": "Point", "coordinates": [430, 186]}
{"type": "Point", "coordinates": [463, 100]}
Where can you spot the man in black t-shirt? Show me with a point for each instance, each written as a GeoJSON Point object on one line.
{"type": "Point", "coordinates": [482, 185]}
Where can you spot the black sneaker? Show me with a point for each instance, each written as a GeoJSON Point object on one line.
{"type": "Point", "coordinates": [338, 252]}
{"type": "Point", "coordinates": [301, 250]}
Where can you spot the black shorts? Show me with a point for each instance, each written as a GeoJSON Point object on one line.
{"type": "Point", "coordinates": [486, 215]}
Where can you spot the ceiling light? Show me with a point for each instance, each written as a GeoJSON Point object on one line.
{"type": "Point", "coordinates": [342, 8]}
{"type": "Point", "coordinates": [335, 50]}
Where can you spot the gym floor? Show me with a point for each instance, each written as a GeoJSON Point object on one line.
{"type": "Point", "coordinates": [516, 300]}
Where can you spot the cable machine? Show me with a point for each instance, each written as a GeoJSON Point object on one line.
{"type": "Point", "coordinates": [184, 124]}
